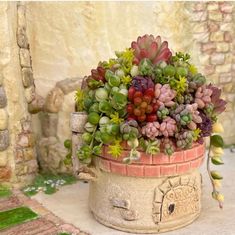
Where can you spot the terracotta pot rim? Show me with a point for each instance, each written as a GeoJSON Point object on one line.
{"type": "Point", "coordinates": [158, 165]}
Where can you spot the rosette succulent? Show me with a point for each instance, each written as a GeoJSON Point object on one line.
{"type": "Point", "coordinates": [152, 48]}
{"type": "Point", "coordinates": [203, 96]}
{"type": "Point", "coordinates": [151, 130]}
{"type": "Point", "coordinates": [164, 95]}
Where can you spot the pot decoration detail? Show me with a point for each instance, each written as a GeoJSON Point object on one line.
{"type": "Point", "coordinates": [148, 111]}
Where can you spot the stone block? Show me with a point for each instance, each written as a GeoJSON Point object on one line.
{"type": "Point", "coordinates": [226, 7]}
{"type": "Point", "coordinates": [209, 69]}
{"type": "Point", "coordinates": [49, 122]}
{"type": "Point", "coordinates": [69, 85]}
{"type": "Point", "coordinates": [222, 47]}
{"type": "Point", "coordinates": [36, 105]}
{"type": "Point", "coordinates": [228, 17]}
{"type": "Point", "coordinates": [213, 26]}
{"type": "Point", "coordinates": [30, 94]}
{"type": "Point", "coordinates": [54, 100]}
{"type": "Point", "coordinates": [25, 140]}
{"type": "Point", "coordinates": [26, 125]}
{"type": "Point", "coordinates": [217, 36]}
{"type": "Point", "coordinates": [22, 39]}
{"type": "Point", "coordinates": [200, 27]}
{"type": "Point", "coordinates": [3, 97]}
{"type": "Point", "coordinates": [3, 119]}
{"type": "Point", "coordinates": [212, 6]}
{"type": "Point", "coordinates": [199, 16]}
{"type": "Point", "coordinates": [223, 68]}
{"type": "Point", "coordinates": [5, 173]}
{"type": "Point", "coordinates": [29, 154]}
{"type": "Point", "coordinates": [231, 97]}
{"type": "Point", "coordinates": [4, 140]}
{"type": "Point", "coordinates": [217, 58]}
{"type": "Point", "coordinates": [226, 26]}
{"type": "Point", "coordinates": [21, 169]}
{"type": "Point", "coordinates": [199, 6]}
{"type": "Point", "coordinates": [27, 77]}
{"type": "Point", "coordinates": [228, 37]}
{"type": "Point", "coordinates": [208, 47]}
{"type": "Point", "coordinates": [25, 60]}
{"type": "Point", "coordinates": [215, 15]}
{"type": "Point", "coordinates": [229, 88]}
{"type": "Point", "coordinates": [32, 166]}
{"type": "Point", "coordinates": [24, 154]}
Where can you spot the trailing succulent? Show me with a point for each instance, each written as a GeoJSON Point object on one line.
{"type": "Point", "coordinates": [151, 99]}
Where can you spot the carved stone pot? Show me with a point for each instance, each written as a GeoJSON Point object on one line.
{"type": "Point", "coordinates": [77, 123]}
{"type": "Point", "coordinates": [156, 194]}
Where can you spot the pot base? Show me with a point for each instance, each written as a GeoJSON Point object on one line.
{"type": "Point", "coordinates": [147, 231]}
{"type": "Point", "coordinates": [146, 205]}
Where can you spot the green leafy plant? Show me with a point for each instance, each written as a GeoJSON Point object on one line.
{"type": "Point", "coordinates": [214, 156]}
{"type": "Point", "coordinates": [48, 183]}
{"type": "Point", "coordinates": [79, 98]}
{"type": "Point", "coordinates": [68, 157]}
{"type": "Point", "coordinates": [5, 191]}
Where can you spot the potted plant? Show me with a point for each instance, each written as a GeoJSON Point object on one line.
{"type": "Point", "coordinates": [148, 114]}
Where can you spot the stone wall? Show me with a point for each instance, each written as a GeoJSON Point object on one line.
{"type": "Point", "coordinates": [213, 25]}
{"type": "Point", "coordinates": [18, 163]}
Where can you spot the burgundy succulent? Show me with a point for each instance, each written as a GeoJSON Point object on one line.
{"type": "Point", "coordinates": [152, 48]}
{"type": "Point", "coordinates": [142, 84]}
{"type": "Point", "coordinates": [98, 74]}
{"type": "Point", "coordinates": [218, 103]}
{"type": "Point", "coordinates": [205, 126]}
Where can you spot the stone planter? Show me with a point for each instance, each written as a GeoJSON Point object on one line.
{"type": "Point", "coordinates": [77, 123]}
{"type": "Point", "coordinates": [156, 194]}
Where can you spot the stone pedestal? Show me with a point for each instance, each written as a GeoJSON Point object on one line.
{"type": "Point", "coordinates": [157, 194]}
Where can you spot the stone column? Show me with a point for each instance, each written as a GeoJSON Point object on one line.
{"type": "Point", "coordinates": [18, 163]}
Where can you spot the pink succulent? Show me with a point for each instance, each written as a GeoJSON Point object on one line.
{"type": "Point", "coordinates": [203, 96]}
{"type": "Point", "coordinates": [151, 130]}
{"type": "Point", "coordinates": [168, 127]}
{"type": "Point", "coordinates": [152, 48]}
{"type": "Point", "coordinates": [164, 95]}
{"type": "Point", "coordinates": [196, 118]}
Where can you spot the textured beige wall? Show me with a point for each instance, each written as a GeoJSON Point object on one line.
{"type": "Point", "coordinates": [68, 39]}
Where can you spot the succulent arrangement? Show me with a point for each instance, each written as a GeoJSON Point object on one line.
{"type": "Point", "coordinates": [152, 99]}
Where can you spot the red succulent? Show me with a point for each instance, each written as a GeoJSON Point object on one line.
{"type": "Point", "coordinates": [152, 48]}
{"type": "Point", "coordinates": [98, 74]}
